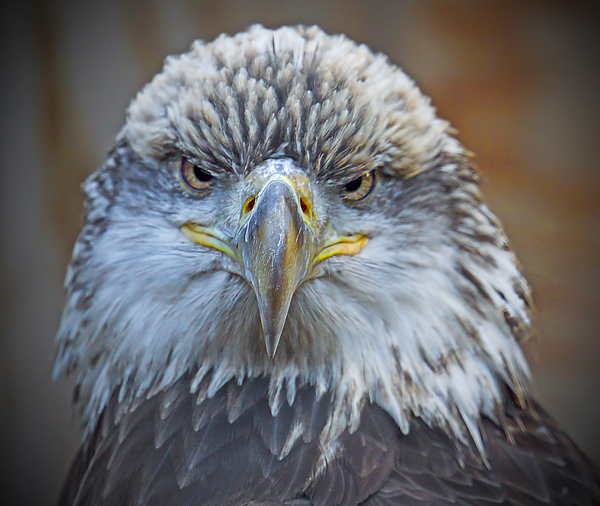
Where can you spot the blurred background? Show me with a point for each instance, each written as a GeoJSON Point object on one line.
{"type": "Point", "coordinates": [518, 79]}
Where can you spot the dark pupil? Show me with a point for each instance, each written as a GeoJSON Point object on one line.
{"type": "Point", "coordinates": [352, 186]}
{"type": "Point", "coordinates": [202, 175]}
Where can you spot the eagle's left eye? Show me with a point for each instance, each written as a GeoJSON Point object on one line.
{"type": "Point", "coordinates": [359, 188]}
{"type": "Point", "coordinates": [194, 177]}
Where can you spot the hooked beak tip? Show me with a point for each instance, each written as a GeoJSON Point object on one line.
{"type": "Point", "coordinates": [271, 344]}
{"type": "Point", "coordinates": [272, 325]}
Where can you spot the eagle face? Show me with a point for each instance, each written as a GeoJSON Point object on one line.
{"type": "Point", "coordinates": [285, 206]}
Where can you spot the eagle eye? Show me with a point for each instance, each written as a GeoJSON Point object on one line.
{"type": "Point", "coordinates": [359, 188]}
{"type": "Point", "coordinates": [194, 177]}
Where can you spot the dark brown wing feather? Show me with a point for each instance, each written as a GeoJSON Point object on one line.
{"type": "Point", "coordinates": [169, 450]}
{"type": "Point", "coordinates": [541, 466]}
{"type": "Point", "coordinates": [230, 450]}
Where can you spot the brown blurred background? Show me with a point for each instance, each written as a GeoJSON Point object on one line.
{"type": "Point", "coordinates": [517, 78]}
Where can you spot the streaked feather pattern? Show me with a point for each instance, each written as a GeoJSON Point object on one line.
{"type": "Point", "coordinates": [239, 460]}
{"type": "Point", "coordinates": [398, 378]}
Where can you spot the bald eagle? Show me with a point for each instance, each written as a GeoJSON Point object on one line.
{"type": "Point", "coordinates": [288, 290]}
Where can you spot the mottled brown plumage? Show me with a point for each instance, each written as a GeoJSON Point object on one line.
{"type": "Point", "coordinates": [289, 291]}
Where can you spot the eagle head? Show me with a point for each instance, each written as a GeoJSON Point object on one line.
{"type": "Point", "coordinates": [287, 204]}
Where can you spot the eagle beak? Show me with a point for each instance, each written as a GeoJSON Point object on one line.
{"type": "Point", "coordinates": [276, 244]}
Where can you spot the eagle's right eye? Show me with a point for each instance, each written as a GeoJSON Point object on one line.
{"type": "Point", "coordinates": [194, 177]}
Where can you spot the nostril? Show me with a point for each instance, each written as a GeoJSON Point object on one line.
{"type": "Point", "coordinates": [305, 206]}
{"type": "Point", "coordinates": [249, 204]}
